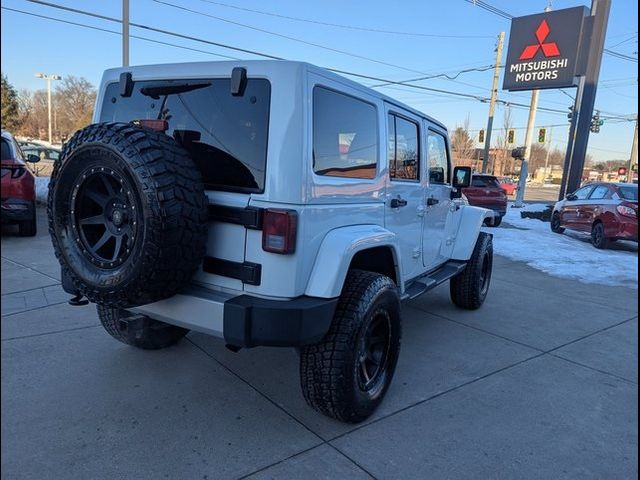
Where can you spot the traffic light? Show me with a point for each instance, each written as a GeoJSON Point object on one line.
{"type": "Point", "coordinates": [596, 122]}
{"type": "Point", "coordinates": [570, 114]}
{"type": "Point", "coordinates": [481, 136]}
{"type": "Point", "coordinates": [511, 136]}
{"type": "Point", "coordinates": [542, 135]}
{"type": "Point", "coordinates": [622, 171]}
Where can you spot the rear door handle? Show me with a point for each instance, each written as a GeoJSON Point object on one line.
{"type": "Point", "coordinates": [398, 202]}
{"type": "Point", "coordinates": [432, 201]}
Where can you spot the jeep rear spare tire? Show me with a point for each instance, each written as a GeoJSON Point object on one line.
{"type": "Point", "coordinates": [127, 214]}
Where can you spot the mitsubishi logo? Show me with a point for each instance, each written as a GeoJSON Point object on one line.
{"type": "Point", "coordinates": [548, 49]}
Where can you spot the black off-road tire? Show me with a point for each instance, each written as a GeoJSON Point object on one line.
{"type": "Point", "coordinates": [330, 371]}
{"type": "Point", "coordinates": [598, 238]}
{"type": "Point", "coordinates": [148, 334]}
{"type": "Point", "coordinates": [469, 289]}
{"type": "Point", "coordinates": [496, 221]}
{"type": "Point", "coordinates": [29, 228]}
{"type": "Point", "coordinates": [164, 204]}
{"type": "Point", "coordinates": [555, 223]}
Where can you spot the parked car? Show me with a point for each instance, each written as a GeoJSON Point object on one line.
{"type": "Point", "coordinates": [267, 204]}
{"type": "Point", "coordinates": [508, 185]}
{"type": "Point", "coordinates": [18, 187]}
{"type": "Point", "coordinates": [485, 191]}
{"type": "Point", "coordinates": [608, 211]}
{"type": "Point", "coordinates": [44, 153]}
{"type": "Point", "coordinates": [29, 144]}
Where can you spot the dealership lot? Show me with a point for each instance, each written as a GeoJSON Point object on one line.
{"type": "Point", "coordinates": [539, 383]}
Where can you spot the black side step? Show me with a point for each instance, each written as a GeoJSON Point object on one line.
{"type": "Point", "coordinates": [421, 285]}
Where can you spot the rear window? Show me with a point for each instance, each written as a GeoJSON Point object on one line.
{"type": "Point", "coordinates": [629, 193]}
{"type": "Point", "coordinates": [225, 135]}
{"type": "Point", "coordinates": [485, 182]}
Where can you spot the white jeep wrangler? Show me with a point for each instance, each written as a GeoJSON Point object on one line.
{"type": "Point", "coordinates": [266, 203]}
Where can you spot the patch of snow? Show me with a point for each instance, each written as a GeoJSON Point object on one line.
{"type": "Point", "coordinates": [569, 255]}
{"type": "Point", "coordinates": [42, 189]}
{"type": "Point", "coordinates": [534, 207]}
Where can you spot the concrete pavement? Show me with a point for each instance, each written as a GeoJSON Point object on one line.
{"type": "Point", "coordinates": [539, 383]}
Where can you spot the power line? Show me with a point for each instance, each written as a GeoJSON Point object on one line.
{"type": "Point", "coordinates": [158, 30]}
{"type": "Point", "coordinates": [443, 75]}
{"type": "Point", "coordinates": [508, 16]}
{"type": "Point", "coordinates": [621, 56]}
{"type": "Point", "coordinates": [287, 37]}
{"type": "Point", "coordinates": [348, 27]}
{"type": "Point", "coordinates": [138, 37]}
{"type": "Point", "coordinates": [253, 52]}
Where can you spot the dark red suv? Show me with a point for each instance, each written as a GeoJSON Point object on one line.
{"type": "Point", "coordinates": [18, 187]}
{"type": "Point", "coordinates": [485, 191]}
{"type": "Point", "coordinates": [608, 211]}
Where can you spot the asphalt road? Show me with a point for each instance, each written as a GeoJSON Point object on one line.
{"type": "Point", "coordinates": [541, 382]}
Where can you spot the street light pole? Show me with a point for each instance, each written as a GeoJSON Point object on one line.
{"type": "Point", "coordinates": [48, 78]}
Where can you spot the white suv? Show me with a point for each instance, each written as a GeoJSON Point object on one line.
{"type": "Point", "coordinates": [267, 203]}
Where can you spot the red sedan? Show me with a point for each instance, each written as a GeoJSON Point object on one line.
{"type": "Point", "coordinates": [608, 211]}
{"type": "Point", "coordinates": [508, 185]}
{"type": "Point", "coordinates": [485, 191]}
{"type": "Point", "coordinates": [18, 187]}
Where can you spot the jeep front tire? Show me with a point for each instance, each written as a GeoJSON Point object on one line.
{"type": "Point", "coordinates": [347, 374]}
{"type": "Point", "coordinates": [469, 289]}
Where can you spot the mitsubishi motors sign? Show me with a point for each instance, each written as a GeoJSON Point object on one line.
{"type": "Point", "coordinates": [544, 50]}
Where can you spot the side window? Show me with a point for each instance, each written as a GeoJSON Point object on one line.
{"type": "Point", "coordinates": [404, 149]}
{"type": "Point", "coordinates": [600, 192]}
{"type": "Point", "coordinates": [583, 193]}
{"type": "Point", "coordinates": [345, 135]}
{"type": "Point", "coordinates": [437, 159]}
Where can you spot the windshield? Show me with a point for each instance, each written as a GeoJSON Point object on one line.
{"type": "Point", "coordinates": [629, 192]}
{"type": "Point", "coordinates": [225, 135]}
{"type": "Point", "coordinates": [485, 181]}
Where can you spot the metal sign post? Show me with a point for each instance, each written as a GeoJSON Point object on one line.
{"type": "Point", "coordinates": [585, 101]}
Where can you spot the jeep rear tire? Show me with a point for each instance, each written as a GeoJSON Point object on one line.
{"type": "Point", "coordinates": [469, 289]}
{"type": "Point", "coordinates": [145, 333]}
{"type": "Point", "coordinates": [127, 214]}
{"type": "Point", "coordinates": [347, 374]}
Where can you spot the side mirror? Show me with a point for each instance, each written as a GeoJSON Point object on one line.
{"type": "Point", "coordinates": [571, 197]}
{"type": "Point", "coordinates": [461, 179]}
{"type": "Point", "coordinates": [32, 158]}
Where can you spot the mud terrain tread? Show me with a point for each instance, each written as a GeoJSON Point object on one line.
{"type": "Point", "coordinates": [176, 230]}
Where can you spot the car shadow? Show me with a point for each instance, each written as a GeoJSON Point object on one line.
{"type": "Point", "coordinates": [618, 245]}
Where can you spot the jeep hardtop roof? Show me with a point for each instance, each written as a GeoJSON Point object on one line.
{"type": "Point", "coordinates": [271, 68]}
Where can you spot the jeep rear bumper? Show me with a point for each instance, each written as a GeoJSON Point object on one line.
{"type": "Point", "coordinates": [244, 320]}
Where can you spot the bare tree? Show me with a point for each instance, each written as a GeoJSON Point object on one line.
{"type": "Point", "coordinates": [462, 144]}
{"type": "Point", "coordinates": [73, 102]}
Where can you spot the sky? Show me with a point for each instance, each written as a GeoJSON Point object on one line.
{"type": "Point", "coordinates": [427, 37]}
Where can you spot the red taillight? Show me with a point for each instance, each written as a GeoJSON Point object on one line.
{"type": "Point", "coordinates": [279, 231]}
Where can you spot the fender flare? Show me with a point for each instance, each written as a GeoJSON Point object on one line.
{"type": "Point", "coordinates": [338, 249]}
{"type": "Point", "coordinates": [463, 231]}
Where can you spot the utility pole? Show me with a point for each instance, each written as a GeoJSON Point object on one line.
{"type": "Point", "coordinates": [125, 33]}
{"type": "Point", "coordinates": [492, 102]}
{"type": "Point", "coordinates": [633, 159]}
{"type": "Point", "coordinates": [48, 78]}
{"type": "Point", "coordinates": [528, 140]}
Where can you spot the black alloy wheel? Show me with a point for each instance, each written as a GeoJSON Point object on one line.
{"type": "Point", "coordinates": [105, 217]}
{"type": "Point", "coordinates": [373, 355]}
